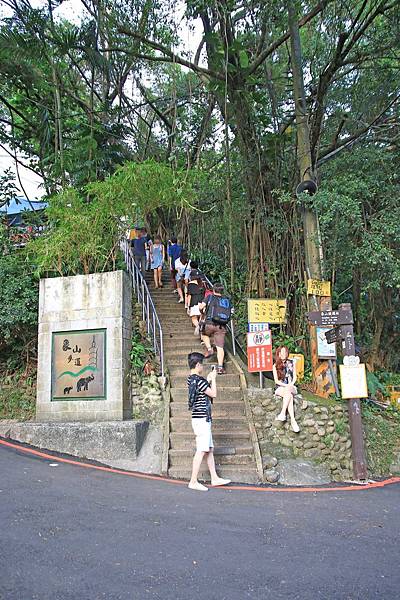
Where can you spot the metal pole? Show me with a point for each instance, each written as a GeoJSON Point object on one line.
{"type": "Point", "coordinates": [334, 378]}
{"type": "Point", "coordinates": [261, 380]}
{"type": "Point", "coordinates": [161, 354]}
{"type": "Point", "coordinates": [143, 304]}
{"type": "Point", "coordinates": [233, 338]}
{"type": "Point", "coordinates": [148, 315]}
{"type": "Point", "coordinates": [154, 333]}
{"type": "Point", "coordinates": [356, 429]}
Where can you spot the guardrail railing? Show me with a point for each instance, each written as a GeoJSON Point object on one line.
{"type": "Point", "coordinates": [149, 313]}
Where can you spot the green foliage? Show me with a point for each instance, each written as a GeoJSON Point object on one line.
{"type": "Point", "coordinates": [8, 189]}
{"type": "Point", "coordinates": [141, 354]}
{"type": "Point", "coordinates": [18, 301]}
{"type": "Point", "coordinates": [340, 426]}
{"type": "Point", "coordinates": [17, 398]}
{"type": "Point", "coordinates": [84, 232]}
{"type": "Point", "coordinates": [383, 438]}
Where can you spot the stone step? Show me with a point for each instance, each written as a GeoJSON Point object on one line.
{"type": "Point", "coordinates": [182, 371]}
{"type": "Point", "coordinates": [237, 450]}
{"type": "Point", "coordinates": [180, 360]}
{"type": "Point", "coordinates": [178, 458]}
{"type": "Point", "coordinates": [223, 381]}
{"type": "Point", "coordinates": [184, 336]}
{"type": "Point", "coordinates": [238, 474]}
{"type": "Point", "coordinates": [223, 395]}
{"type": "Point", "coordinates": [183, 439]}
{"type": "Point", "coordinates": [174, 348]}
{"type": "Point", "coordinates": [222, 424]}
{"type": "Point", "coordinates": [221, 409]}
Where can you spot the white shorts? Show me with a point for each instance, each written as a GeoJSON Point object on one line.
{"type": "Point", "coordinates": [194, 311]}
{"type": "Point", "coordinates": [202, 431]}
{"type": "Point", "coordinates": [280, 391]}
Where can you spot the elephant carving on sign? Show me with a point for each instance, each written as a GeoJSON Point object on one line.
{"type": "Point", "coordinates": [83, 383]}
{"type": "Point", "coordinates": [67, 389]}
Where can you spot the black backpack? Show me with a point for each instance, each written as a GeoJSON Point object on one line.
{"type": "Point", "coordinates": [219, 310]}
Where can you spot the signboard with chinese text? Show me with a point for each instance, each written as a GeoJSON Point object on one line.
{"type": "Point", "coordinates": [259, 351]}
{"type": "Point", "coordinates": [255, 327]}
{"type": "Point", "coordinates": [78, 365]}
{"type": "Point", "coordinates": [324, 349]}
{"type": "Point", "coordinates": [328, 318]}
{"type": "Point", "coordinates": [353, 381]}
{"type": "Point", "coordinates": [315, 287]}
{"type": "Point", "coordinates": [266, 310]}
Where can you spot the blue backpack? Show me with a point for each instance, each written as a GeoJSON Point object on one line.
{"type": "Point", "coordinates": [219, 310]}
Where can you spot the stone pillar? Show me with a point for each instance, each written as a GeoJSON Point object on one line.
{"type": "Point", "coordinates": [85, 328]}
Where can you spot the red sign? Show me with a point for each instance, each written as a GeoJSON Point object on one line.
{"type": "Point", "coordinates": [259, 351]}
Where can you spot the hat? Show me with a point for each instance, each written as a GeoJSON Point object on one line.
{"type": "Point", "coordinates": [194, 274]}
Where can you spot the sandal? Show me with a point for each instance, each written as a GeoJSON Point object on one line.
{"type": "Point", "coordinates": [221, 370]}
{"type": "Point", "coordinates": [209, 353]}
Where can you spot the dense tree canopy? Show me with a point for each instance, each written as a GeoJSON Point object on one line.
{"type": "Point", "coordinates": [129, 84]}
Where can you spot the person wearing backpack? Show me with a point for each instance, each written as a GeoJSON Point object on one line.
{"type": "Point", "coordinates": [195, 296]}
{"type": "Point", "coordinates": [217, 314]}
{"type": "Point", "coordinates": [201, 392]}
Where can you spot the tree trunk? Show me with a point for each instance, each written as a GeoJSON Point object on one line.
{"type": "Point", "coordinates": [312, 244]}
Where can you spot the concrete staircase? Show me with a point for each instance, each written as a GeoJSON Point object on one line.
{"type": "Point", "coordinates": [234, 453]}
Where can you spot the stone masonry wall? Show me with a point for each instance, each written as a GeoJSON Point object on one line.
{"type": "Point", "coordinates": [324, 435]}
{"type": "Point", "coordinates": [147, 399]}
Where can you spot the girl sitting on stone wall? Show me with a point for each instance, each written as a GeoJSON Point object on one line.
{"type": "Point", "coordinates": [285, 377]}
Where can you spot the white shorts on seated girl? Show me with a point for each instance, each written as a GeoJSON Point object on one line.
{"type": "Point", "coordinates": [280, 391]}
{"type": "Point", "coordinates": [202, 431]}
{"type": "Point", "coordinates": [194, 311]}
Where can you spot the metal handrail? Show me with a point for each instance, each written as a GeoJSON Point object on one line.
{"type": "Point", "coordinates": [149, 313]}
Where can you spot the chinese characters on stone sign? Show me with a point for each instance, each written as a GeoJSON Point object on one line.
{"type": "Point", "coordinates": [78, 365]}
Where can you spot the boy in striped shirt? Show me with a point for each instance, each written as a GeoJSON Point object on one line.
{"type": "Point", "coordinates": [201, 394]}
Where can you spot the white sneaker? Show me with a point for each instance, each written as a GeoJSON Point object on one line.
{"type": "Point", "coordinates": [220, 481]}
{"type": "Point", "coordinates": [280, 417]}
{"type": "Point", "coordinates": [199, 487]}
{"type": "Point", "coordinates": [295, 427]}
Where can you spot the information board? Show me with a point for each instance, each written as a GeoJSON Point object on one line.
{"type": "Point", "coordinates": [353, 380]}
{"type": "Point", "coordinates": [324, 349]}
{"type": "Point", "coordinates": [259, 351]}
{"type": "Point", "coordinates": [266, 310]}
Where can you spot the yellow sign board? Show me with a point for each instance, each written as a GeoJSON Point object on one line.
{"type": "Point", "coordinates": [265, 310]}
{"type": "Point", "coordinates": [353, 380]}
{"type": "Point", "coordinates": [315, 287]}
{"type": "Point", "coordinates": [298, 360]}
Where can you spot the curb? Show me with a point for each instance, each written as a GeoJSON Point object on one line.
{"type": "Point", "coordinates": [248, 488]}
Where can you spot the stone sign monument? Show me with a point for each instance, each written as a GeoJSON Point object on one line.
{"type": "Point", "coordinates": [85, 328]}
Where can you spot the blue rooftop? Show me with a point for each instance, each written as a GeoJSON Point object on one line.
{"type": "Point", "coordinates": [15, 208]}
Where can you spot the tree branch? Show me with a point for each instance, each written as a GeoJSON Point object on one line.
{"type": "Point", "coordinates": [168, 53]}
{"type": "Point", "coordinates": [272, 47]}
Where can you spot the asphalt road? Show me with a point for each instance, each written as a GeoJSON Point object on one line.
{"type": "Point", "coordinates": [73, 533]}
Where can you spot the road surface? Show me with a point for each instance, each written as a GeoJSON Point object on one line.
{"type": "Point", "coordinates": [72, 533]}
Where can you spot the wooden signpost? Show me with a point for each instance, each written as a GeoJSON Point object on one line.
{"type": "Point", "coordinates": [342, 319]}
{"type": "Point", "coordinates": [323, 368]}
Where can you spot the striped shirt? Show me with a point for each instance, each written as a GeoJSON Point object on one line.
{"type": "Point", "coordinates": [201, 402]}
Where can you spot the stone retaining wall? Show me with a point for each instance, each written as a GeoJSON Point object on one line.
{"type": "Point", "coordinates": [147, 399]}
{"type": "Point", "coordinates": [324, 436]}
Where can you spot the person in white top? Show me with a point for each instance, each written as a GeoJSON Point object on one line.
{"type": "Point", "coordinates": [182, 267]}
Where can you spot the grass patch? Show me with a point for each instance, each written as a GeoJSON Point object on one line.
{"type": "Point", "coordinates": [382, 439]}
{"type": "Point", "coordinates": [17, 398]}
